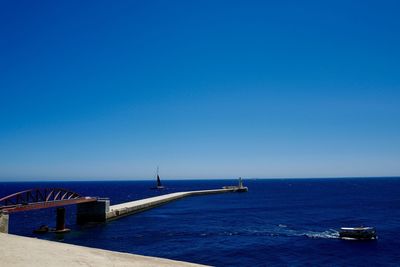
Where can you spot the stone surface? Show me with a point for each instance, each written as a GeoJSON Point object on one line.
{"type": "Point", "coordinates": [24, 251]}
{"type": "Point", "coordinates": [4, 218]}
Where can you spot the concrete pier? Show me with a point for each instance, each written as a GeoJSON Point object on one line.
{"type": "Point", "coordinates": [128, 208]}
{"type": "Point", "coordinates": [4, 218]}
{"type": "Point", "coordinates": [101, 211]}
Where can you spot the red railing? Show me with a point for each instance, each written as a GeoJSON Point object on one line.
{"type": "Point", "coordinates": [41, 198]}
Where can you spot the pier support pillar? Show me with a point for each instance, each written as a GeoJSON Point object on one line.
{"type": "Point", "coordinates": [92, 211]}
{"type": "Point", "coordinates": [60, 221]}
{"type": "Point", "coordinates": [4, 218]}
{"type": "Point", "coordinates": [60, 224]}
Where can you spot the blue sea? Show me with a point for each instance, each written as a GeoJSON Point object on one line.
{"type": "Point", "coordinates": [279, 222]}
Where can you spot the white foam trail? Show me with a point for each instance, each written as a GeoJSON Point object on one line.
{"type": "Point", "coordinates": [325, 234]}
{"type": "Point", "coordinates": [283, 230]}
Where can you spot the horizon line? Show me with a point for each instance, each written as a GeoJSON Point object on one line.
{"type": "Point", "coordinates": [189, 179]}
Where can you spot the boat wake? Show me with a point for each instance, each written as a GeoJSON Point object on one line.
{"type": "Point", "coordinates": [284, 231]}
{"type": "Point", "coordinates": [331, 233]}
{"type": "Point", "coordinates": [274, 232]}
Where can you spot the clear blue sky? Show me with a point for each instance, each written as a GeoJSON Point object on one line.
{"type": "Point", "coordinates": [205, 89]}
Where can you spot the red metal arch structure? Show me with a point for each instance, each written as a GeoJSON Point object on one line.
{"type": "Point", "coordinates": [40, 199]}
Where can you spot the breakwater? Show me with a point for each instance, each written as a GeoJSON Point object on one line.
{"type": "Point", "coordinates": [101, 210]}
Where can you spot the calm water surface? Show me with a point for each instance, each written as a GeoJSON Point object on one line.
{"type": "Point", "coordinates": [279, 222]}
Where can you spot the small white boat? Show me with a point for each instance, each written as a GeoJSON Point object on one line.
{"type": "Point", "coordinates": [358, 233]}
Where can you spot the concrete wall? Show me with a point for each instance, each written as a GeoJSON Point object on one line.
{"type": "Point", "coordinates": [4, 223]}
{"type": "Point", "coordinates": [93, 211]}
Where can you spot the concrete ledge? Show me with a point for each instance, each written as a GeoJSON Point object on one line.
{"type": "Point", "coordinates": [24, 251]}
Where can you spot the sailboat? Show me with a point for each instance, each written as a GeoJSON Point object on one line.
{"type": "Point", "coordinates": [159, 185]}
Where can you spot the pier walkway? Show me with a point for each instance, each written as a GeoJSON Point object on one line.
{"type": "Point", "coordinates": [116, 211]}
